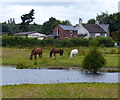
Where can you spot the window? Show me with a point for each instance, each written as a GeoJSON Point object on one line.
{"type": "Point", "coordinates": [58, 31]}
{"type": "Point", "coordinates": [71, 32]}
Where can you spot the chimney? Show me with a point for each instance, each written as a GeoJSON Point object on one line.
{"type": "Point", "coordinates": [97, 22]}
{"type": "Point", "coordinates": [80, 21]}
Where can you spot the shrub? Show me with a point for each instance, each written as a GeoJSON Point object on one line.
{"type": "Point", "coordinates": [94, 59]}
{"type": "Point", "coordinates": [105, 41]}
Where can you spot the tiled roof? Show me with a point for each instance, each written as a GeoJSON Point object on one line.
{"type": "Point", "coordinates": [93, 28]}
{"type": "Point", "coordinates": [68, 27]}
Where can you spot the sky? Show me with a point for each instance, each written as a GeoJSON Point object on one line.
{"type": "Point", "coordinates": [70, 10]}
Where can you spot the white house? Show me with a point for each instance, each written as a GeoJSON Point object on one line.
{"type": "Point", "coordinates": [92, 30]}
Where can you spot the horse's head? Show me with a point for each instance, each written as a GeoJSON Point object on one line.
{"type": "Point", "coordinates": [50, 54]}
{"type": "Point", "coordinates": [31, 57]}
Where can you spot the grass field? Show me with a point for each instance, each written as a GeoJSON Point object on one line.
{"type": "Point", "coordinates": [20, 58]}
{"type": "Point", "coordinates": [66, 90]}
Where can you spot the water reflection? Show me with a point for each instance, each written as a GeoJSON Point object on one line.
{"type": "Point", "coordinates": [47, 76]}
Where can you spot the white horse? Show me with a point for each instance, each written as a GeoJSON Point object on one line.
{"type": "Point", "coordinates": [73, 52]}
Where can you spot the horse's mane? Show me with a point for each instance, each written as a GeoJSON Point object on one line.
{"type": "Point", "coordinates": [32, 51]}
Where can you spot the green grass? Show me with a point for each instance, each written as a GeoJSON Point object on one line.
{"type": "Point", "coordinates": [65, 90]}
{"type": "Point", "coordinates": [20, 58]}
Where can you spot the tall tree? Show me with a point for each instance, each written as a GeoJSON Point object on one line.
{"type": "Point", "coordinates": [91, 21]}
{"type": "Point", "coordinates": [26, 20]}
{"type": "Point", "coordinates": [48, 26]}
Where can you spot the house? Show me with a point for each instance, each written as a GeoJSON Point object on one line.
{"type": "Point", "coordinates": [92, 30]}
{"type": "Point", "coordinates": [31, 34]}
{"type": "Point", "coordinates": [65, 31]}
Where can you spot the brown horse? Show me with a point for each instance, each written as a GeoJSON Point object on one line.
{"type": "Point", "coordinates": [35, 52]}
{"type": "Point", "coordinates": [56, 51]}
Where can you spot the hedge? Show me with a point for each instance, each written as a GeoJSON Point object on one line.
{"type": "Point", "coordinates": [30, 42]}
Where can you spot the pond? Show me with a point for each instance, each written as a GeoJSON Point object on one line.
{"type": "Point", "coordinates": [12, 76]}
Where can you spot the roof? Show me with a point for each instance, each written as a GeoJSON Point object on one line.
{"type": "Point", "coordinates": [23, 33]}
{"type": "Point", "coordinates": [93, 28]}
{"type": "Point", "coordinates": [68, 27]}
{"type": "Point", "coordinates": [37, 34]}
{"type": "Point", "coordinates": [105, 27]}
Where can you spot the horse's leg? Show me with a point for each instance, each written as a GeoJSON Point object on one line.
{"type": "Point", "coordinates": [61, 54]}
{"type": "Point", "coordinates": [35, 56]}
{"type": "Point", "coordinates": [39, 55]}
{"type": "Point", "coordinates": [54, 54]}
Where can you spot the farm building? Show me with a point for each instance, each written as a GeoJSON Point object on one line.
{"type": "Point", "coordinates": [31, 34]}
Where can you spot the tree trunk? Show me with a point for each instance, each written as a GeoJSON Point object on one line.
{"type": "Point", "coordinates": [94, 71]}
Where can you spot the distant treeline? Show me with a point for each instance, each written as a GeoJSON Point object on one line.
{"type": "Point", "coordinates": [16, 41]}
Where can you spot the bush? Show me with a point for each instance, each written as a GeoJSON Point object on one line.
{"type": "Point", "coordinates": [94, 60]}
{"type": "Point", "coordinates": [105, 41]}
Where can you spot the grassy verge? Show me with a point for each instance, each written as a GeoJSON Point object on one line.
{"type": "Point", "coordinates": [66, 90]}
{"type": "Point", "coordinates": [20, 58]}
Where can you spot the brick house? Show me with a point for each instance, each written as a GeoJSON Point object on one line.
{"type": "Point", "coordinates": [65, 31]}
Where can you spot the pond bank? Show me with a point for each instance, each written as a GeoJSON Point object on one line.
{"type": "Point", "coordinates": [79, 68]}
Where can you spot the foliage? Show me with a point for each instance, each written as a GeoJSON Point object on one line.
{"type": "Point", "coordinates": [112, 19]}
{"type": "Point", "coordinates": [105, 41]}
{"type": "Point", "coordinates": [48, 26]}
{"type": "Point", "coordinates": [15, 28]}
{"type": "Point", "coordinates": [18, 41]}
{"type": "Point", "coordinates": [26, 19]}
{"type": "Point", "coordinates": [102, 17]}
{"type": "Point", "coordinates": [25, 41]}
{"type": "Point", "coordinates": [35, 27]}
{"type": "Point", "coordinates": [94, 60]}
{"type": "Point", "coordinates": [10, 27]}
{"type": "Point", "coordinates": [116, 35]}
{"type": "Point", "coordinates": [91, 21]}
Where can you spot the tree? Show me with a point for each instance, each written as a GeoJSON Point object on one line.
{"type": "Point", "coordinates": [26, 20]}
{"type": "Point", "coordinates": [10, 27]}
{"type": "Point", "coordinates": [48, 26]}
{"type": "Point", "coordinates": [94, 60]}
{"type": "Point", "coordinates": [102, 17]}
{"type": "Point", "coordinates": [113, 20]}
{"type": "Point", "coordinates": [91, 21]}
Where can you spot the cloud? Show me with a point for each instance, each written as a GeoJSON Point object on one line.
{"type": "Point", "coordinates": [60, 10]}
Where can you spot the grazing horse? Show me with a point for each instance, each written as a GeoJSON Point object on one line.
{"type": "Point", "coordinates": [35, 52]}
{"type": "Point", "coordinates": [73, 52]}
{"type": "Point", "coordinates": [56, 51]}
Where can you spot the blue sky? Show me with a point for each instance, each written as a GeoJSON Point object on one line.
{"type": "Point", "coordinates": [62, 10]}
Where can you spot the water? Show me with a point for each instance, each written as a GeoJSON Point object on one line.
{"type": "Point", "coordinates": [47, 76]}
